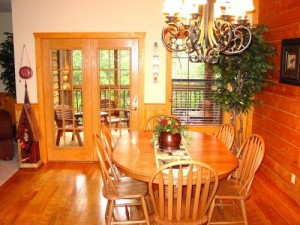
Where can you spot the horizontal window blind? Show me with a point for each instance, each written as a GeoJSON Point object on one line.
{"type": "Point", "coordinates": [191, 89]}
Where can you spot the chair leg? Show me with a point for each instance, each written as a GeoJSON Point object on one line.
{"type": "Point", "coordinates": [234, 207]}
{"type": "Point", "coordinates": [78, 138]}
{"type": "Point", "coordinates": [58, 136]}
{"type": "Point", "coordinates": [109, 211]}
{"type": "Point", "coordinates": [211, 211]}
{"type": "Point", "coordinates": [149, 204]}
{"type": "Point", "coordinates": [243, 206]}
{"type": "Point", "coordinates": [145, 209]}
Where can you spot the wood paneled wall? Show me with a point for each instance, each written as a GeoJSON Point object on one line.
{"type": "Point", "coordinates": [7, 102]}
{"type": "Point", "coordinates": [277, 120]}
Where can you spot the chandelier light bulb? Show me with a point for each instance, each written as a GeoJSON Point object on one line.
{"type": "Point", "coordinates": [217, 10]}
{"type": "Point", "coordinates": [248, 5]}
{"type": "Point", "coordinates": [200, 2]}
{"type": "Point", "coordinates": [172, 7]}
{"type": "Point", "coordinates": [234, 8]}
{"type": "Point", "coordinates": [188, 8]}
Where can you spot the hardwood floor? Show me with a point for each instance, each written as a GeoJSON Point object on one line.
{"type": "Point", "coordinates": [70, 193]}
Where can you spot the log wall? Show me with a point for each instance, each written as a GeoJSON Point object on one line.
{"type": "Point", "coordinates": [278, 118]}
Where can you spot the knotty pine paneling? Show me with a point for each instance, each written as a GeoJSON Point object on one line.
{"type": "Point", "coordinates": [283, 118]}
{"type": "Point", "coordinates": [283, 170]}
{"type": "Point", "coordinates": [152, 110]}
{"type": "Point", "coordinates": [273, 8]}
{"type": "Point", "coordinates": [7, 103]}
{"type": "Point", "coordinates": [277, 139]}
{"type": "Point", "coordinates": [289, 105]}
{"type": "Point", "coordinates": [278, 170]}
{"type": "Point", "coordinates": [277, 120]}
{"type": "Point", "coordinates": [285, 90]}
{"type": "Point", "coordinates": [284, 32]}
{"type": "Point", "coordinates": [276, 19]}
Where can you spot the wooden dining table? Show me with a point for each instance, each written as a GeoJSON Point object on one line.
{"type": "Point", "coordinates": [134, 154]}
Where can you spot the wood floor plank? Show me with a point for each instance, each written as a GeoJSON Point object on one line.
{"type": "Point", "coordinates": [70, 193]}
{"type": "Point", "coordinates": [276, 205]}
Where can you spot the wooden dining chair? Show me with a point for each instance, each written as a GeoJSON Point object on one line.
{"type": "Point", "coordinates": [109, 143]}
{"type": "Point", "coordinates": [152, 121]}
{"type": "Point", "coordinates": [236, 189]}
{"type": "Point", "coordinates": [66, 122]}
{"type": "Point", "coordinates": [120, 189]}
{"type": "Point", "coordinates": [107, 136]}
{"type": "Point", "coordinates": [226, 134]}
{"type": "Point", "coordinates": [181, 192]}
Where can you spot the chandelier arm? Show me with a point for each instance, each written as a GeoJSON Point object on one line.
{"type": "Point", "coordinates": [241, 41]}
{"type": "Point", "coordinates": [202, 28]}
{"type": "Point", "coordinates": [205, 37]}
{"type": "Point", "coordinates": [223, 33]}
{"type": "Point", "coordinates": [198, 36]}
{"type": "Point", "coordinates": [212, 36]}
{"type": "Point", "coordinates": [170, 35]}
{"type": "Point", "coordinates": [210, 27]}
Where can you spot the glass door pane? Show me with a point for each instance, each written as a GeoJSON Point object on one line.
{"type": "Point", "coordinates": [67, 97]}
{"type": "Point", "coordinates": [114, 77]}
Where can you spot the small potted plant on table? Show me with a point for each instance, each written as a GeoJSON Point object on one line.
{"type": "Point", "coordinates": [169, 132]}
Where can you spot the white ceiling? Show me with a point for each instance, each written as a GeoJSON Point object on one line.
{"type": "Point", "coordinates": [5, 5]}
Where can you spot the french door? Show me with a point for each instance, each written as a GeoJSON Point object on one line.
{"type": "Point", "coordinates": [79, 75]}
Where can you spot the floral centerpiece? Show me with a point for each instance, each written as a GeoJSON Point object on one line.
{"type": "Point", "coordinates": [169, 131]}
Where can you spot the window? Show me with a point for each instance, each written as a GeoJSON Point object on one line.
{"type": "Point", "coordinates": [191, 88]}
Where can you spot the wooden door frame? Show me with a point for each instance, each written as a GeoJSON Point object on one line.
{"type": "Point", "coordinates": [39, 37]}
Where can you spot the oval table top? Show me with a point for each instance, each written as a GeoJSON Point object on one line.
{"type": "Point", "coordinates": [134, 154]}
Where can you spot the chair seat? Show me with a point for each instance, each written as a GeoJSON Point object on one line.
{"type": "Point", "coordinates": [117, 119]}
{"type": "Point", "coordinates": [71, 127]}
{"type": "Point", "coordinates": [231, 189]}
{"type": "Point", "coordinates": [128, 188]}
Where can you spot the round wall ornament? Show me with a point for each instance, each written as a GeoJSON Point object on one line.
{"type": "Point", "coordinates": [25, 72]}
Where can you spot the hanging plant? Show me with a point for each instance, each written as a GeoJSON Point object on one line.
{"type": "Point", "coordinates": [241, 76]}
{"type": "Point", "coordinates": [8, 64]}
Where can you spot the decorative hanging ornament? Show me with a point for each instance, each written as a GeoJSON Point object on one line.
{"type": "Point", "coordinates": [25, 72]}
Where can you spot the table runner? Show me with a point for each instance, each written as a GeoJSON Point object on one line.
{"type": "Point", "coordinates": [166, 156]}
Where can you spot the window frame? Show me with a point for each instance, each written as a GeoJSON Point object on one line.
{"type": "Point", "coordinates": [169, 91]}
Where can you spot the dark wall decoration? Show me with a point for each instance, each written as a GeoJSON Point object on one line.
{"type": "Point", "coordinates": [290, 56]}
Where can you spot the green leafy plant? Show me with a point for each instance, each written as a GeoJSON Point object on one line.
{"type": "Point", "coordinates": [241, 76]}
{"type": "Point", "coordinates": [170, 124]}
{"type": "Point", "coordinates": [8, 64]}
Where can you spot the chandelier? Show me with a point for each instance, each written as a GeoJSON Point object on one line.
{"type": "Point", "coordinates": [205, 28]}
